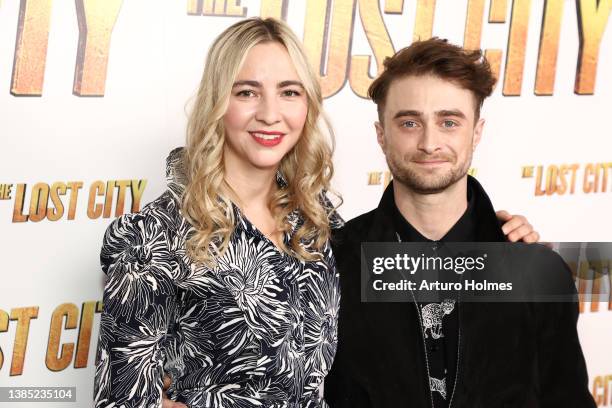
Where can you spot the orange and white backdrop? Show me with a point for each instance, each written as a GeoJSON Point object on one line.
{"type": "Point", "coordinates": [94, 94]}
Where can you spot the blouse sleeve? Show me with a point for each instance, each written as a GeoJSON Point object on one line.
{"type": "Point", "coordinates": [139, 302]}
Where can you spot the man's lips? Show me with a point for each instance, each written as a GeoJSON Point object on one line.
{"type": "Point", "coordinates": [430, 162]}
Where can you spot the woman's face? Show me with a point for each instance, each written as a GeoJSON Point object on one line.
{"type": "Point", "coordinates": [267, 110]}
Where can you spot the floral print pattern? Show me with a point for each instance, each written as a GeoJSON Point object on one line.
{"type": "Point", "coordinates": [257, 330]}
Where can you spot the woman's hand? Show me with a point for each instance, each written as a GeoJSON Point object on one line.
{"type": "Point", "coordinates": [167, 402]}
{"type": "Point", "coordinates": [517, 228]}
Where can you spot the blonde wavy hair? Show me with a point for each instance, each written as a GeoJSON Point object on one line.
{"type": "Point", "coordinates": [307, 168]}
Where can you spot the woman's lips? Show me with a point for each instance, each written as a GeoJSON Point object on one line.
{"type": "Point", "coordinates": [267, 139]}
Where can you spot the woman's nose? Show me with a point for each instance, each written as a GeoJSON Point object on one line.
{"type": "Point", "coordinates": [268, 111]}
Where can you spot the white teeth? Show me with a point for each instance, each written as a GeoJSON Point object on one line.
{"type": "Point", "coordinates": [266, 137]}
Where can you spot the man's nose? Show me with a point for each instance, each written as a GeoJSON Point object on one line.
{"type": "Point", "coordinates": [429, 140]}
{"type": "Point", "coordinates": [268, 110]}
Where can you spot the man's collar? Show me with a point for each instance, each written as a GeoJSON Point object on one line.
{"type": "Point", "coordinates": [478, 223]}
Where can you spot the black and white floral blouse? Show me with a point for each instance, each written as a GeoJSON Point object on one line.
{"type": "Point", "coordinates": [258, 330]}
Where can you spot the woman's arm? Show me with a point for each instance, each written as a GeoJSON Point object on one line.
{"type": "Point", "coordinates": [139, 305]}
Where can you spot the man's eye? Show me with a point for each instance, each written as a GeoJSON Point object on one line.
{"type": "Point", "coordinates": [291, 92]}
{"type": "Point", "coordinates": [246, 93]}
{"type": "Point", "coordinates": [449, 123]}
{"type": "Point", "coordinates": [409, 124]}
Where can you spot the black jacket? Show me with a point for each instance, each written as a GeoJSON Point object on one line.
{"type": "Point", "coordinates": [510, 354]}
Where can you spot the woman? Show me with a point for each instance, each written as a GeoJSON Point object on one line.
{"type": "Point", "coordinates": [228, 277]}
{"type": "Point", "coordinates": [227, 281]}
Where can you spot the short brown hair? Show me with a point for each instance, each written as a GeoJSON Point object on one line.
{"type": "Point", "coordinates": [468, 69]}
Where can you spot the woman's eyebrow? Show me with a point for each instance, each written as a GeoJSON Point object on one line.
{"type": "Point", "coordinates": [254, 84]}
{"type": "Point", "coordinates": [257, 84]}
{"type": "Point", "coordinates": [290, 83]}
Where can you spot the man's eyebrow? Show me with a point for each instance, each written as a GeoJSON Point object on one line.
{"type": "Point", "coordinates": [257, 84]}
{"type": "Point", "coordinates": [402, 113]}
{"type": "Point", "coordinates": [451, 112]}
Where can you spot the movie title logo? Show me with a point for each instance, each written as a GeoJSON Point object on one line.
{"type": "Point", "coordinates": [383, 178]}
{"type": "Point", "coordinates": [67, 319]}
{"type": "Point", "coordinates": [602, 390]}
{"type": "Point", "coordinates": [58, 200]}
{"type": "Point", "coordinates": [329, 27]}
{"type": "Point", "coordinates": [569, 179]}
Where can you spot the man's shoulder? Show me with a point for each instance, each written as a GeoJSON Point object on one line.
{"type": "Point", "coordinates": [355, 229]}
{"type": "Point", "coordinates": [542, 269]}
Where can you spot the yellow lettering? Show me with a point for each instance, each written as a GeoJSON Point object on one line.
{"type": "Point", "coordinates": [53, 362]}
{"type": "Point", "coordinates": [18, 215]}
{"type": "Point", "coordinates": [31, 48]}
{"type": "Point", "coordinates": [275, 8]}
{"type": "Point", "coordinates": [85, 327]}
{"type": "Point", "coordinates": [23, 315]}
{"type": "Point", "coordinates": [592, 20]}
{"type": "Point", "coordinates": [473, 25]}
{"type": "Point", "coordinates": [137, 187]}
{"type": "Point", "coordinates": [549, 47]}
{"type": "Point", "coordinates": [598, 385]}
{"type": "Point", "coordinates": [473, 32]}
{"type": "Point", "coordinates": [394, 6]}
{"type": "Point", "coordinates": [515, 61]}
{"type": "Point", "coordinates": [587, 185]}
{"type": "Point", "coordinates": [96, 21]}
{"type": "Point", "coordinates": [423, 25]}
{"type": "Point", "coordinates": [497, 11]}
{"type": "Point", "coordinates": [38, 202]}
{"type": "Point", "coordinates": [5, 191]}
{"type": "Point", "coordinates": [335, 39]}
{"type": "Point", "coordinates": [4, 320]}
{"type": "Point", "coordinates": [233, 8]}
{"type": "Point", "coordinates": [95, 210]}
{"type": "Point", "coordinates": [55, 213]}
{"type": "Point", "coordinates": [378, 37]}
{"type": "Point", "coordinates": [122, 185]}
{"type": "Point", "coordinates": [539, 191]}
{"type": "Point", "coordinates": [74, 187]}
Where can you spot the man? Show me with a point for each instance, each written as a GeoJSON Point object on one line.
{"type": "Point", "coordinates": [502, 355]}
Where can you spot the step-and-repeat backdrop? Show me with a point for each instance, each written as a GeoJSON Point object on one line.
{"type": "Point", "coordinates": [95, 93]}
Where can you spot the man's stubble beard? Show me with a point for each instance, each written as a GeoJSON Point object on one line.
{"type": "Point", "coordinates": [422, 183]}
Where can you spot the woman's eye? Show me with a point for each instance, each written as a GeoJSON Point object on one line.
{"type": "Point", "coordinates": [291, 92]}
{"type": "Point", "coordinates": [246, 93]}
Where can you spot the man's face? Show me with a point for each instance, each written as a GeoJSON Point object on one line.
{"type": "Point", "coordinates": [428, 132]}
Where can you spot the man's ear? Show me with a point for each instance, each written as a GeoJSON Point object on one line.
{"type": "Point", "coordinates": [380, 135]}
{"type": "Point", "coordinates": [477, 133]}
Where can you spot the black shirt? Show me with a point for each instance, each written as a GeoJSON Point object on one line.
{"type": "Point", "coordinates": [441, 344]}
